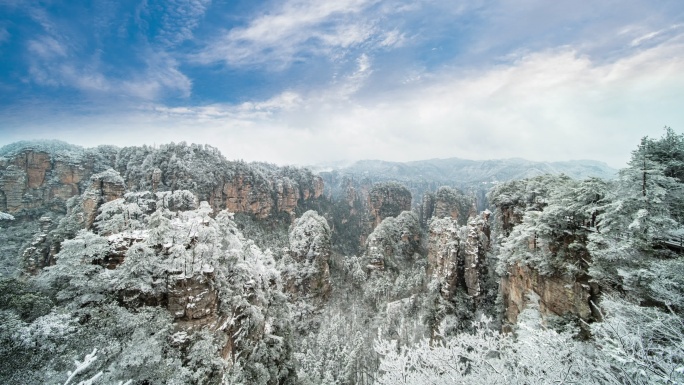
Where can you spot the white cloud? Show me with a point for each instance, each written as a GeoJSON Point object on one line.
{"type": "Point", "coordinates": [51, 63]}
{"type": "Point", "coordinates": [392, 38]}
{"type": "Point", "coordinates": [46, 47]}
{"type": "Point", "coordinates": [652, 35]}
{"type": "Point", "coordinates": [551, 105]}
{"type": "Point", "coordinates": [301, 27]}
{"type": "Point", "coordinates": [179, 19]}
{"type": "Point", "coordinates": [578, 93]}
{"type": "Point", "coordinates": [4, 34]}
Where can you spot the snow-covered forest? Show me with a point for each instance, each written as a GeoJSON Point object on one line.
{"type": "Point", "coordinates": [173, 265]}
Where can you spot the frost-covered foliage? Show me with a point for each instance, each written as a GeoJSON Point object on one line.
{"type": "Point", "coordinates": [305, 265]}
{"type": "Point", "coordinates": [117, 216]}
{"type": "Point", "coordinates": [6, 217]}
{"type": "Point", "coordinates": [632, 345]}
{"type": "Point", "coordinates": [111, 290]}
{"type": "Point", "coordinates": [487, 357]}
{"type": "Point", "coordinates": [335, 355]}
{"type": "Point", "coordinates": [454, 203]}
{"type": "Point", "coordinates": [546, 221]}
{"type": "Point", "coordinates": [638, 218]}
{"type": "Point", "coordinates": [168, 289]}
{"type": "Point", "coordinates": [181, 166]}
{"type": "Point", "coordinates": [644, 345]}
{"type": "Point", "coordinates": [52, 147]}
{"type": "Point", "coordinates": [396, 242]}
{"type": "Point", "coordinates": [203, 170]}
{"type": "Point", "coordinates": [389, 199]}
{"type": "Point", "coordinates": [310, 236]}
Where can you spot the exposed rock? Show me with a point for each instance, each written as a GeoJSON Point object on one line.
{"type": "Point", "coordinates": [396, 242]}
{"type": "Point", "coordinates": [307, 271]}
{"type": "Point", "coordinates": [456, 259]}
{"type": "Point", "coordinates": [388, 200]}
{"type": "Point", "coordinates": [559, 294]}
{"type": "Point", "coordinates": [13, 183]}
{"type": "Point", "coordinates": [35, 179]}
{"type": "Point", "coordinates": [248, 193]}
{"type": "Point", "coordinates": [243, 194]}
{"type": "Point", "coordinates": [193, 302]}
{"type": "Point", "coordinates": [287, 195]}
{"type": "Point", "coordinates": [447, 202]}
{"type": "Point", "coordinates": [427, 208]}
{"type": "Point", "coordinates": [40, 253]}
{"type": "Point", "coordinates": [36, 165]}
{"type": "Point", "coordinates": [508, 216]}
{"type": "Point", "coordinates": [444, 254]}
{"type": "Point", "coordinates": [37, 176]}
{"type": "Point", "coordinates": [476, 246]}
{"type": "Point", "coordinates": [104, 187]}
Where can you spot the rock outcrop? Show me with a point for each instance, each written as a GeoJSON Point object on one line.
{"type": "Point", "coordinates": [559, 291]}
{"type": "Point", "coordinates": [193, 302]}
{"type": "Point", "coordinates": [457, 255]}
{"type": "Point", "coordinates": [444, 254]}
{"type": "Point", "coordinates": [262, 197]}
{"type": "Point", "coordinates": [34, 179]}
{"type": "Point", "coordinates": [447, 202]}
{"type": "Point", "coordinates": [41, 251]}
{"type": "Point", "coordinates": [388, 200]}
{"type": "Point", "coordinates": [38, 175]}
{"type": "Point", "coordinates": [476, 246]}
{"type": "Point", "coordinates": [395, 243]}
{"type": "Point", "coordinates": [559, 295]}
{"type": "Point", "coordinates": [104, 187]}
{"type": "Point", "coordinates": [306, 267]}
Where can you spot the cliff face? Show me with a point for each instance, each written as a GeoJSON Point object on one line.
{"type": "Point", "coordinates": [476, 246]}
{"type": "Point", "coordinates": [559, 295]}
{"type": "Point", "coordinates": [457, 255]}
{"type": "Point", "coordinates": [193, 302]}
{"type": "Point", "coordinates": [35, 179]}
{"type": "Point", "coordinates": [388, 200]}
{"type": "Point", "coordinates": [394, 244]}
{"type": "Point", "coordinates": [447, 202]}
{"type": "Point", "coordinates": [38, 176]}
{"type": "Point", "coordinates": [445, 254]}
{"type": "Point", "coordinates": [104, 187]}
{"type": "Point", "coordinates": [245, 193]}
{"type": "Point", "coordinates": [306, 267]}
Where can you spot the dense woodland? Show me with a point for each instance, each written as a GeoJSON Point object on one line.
{"type": "Point", "coordinates": [163, 284]}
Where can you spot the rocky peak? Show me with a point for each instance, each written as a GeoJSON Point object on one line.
{"type": "Point", "coordinates": [457, 254]}
{"type": "Point", "coordinates": [476, 246]}
{"type": "Point", "coordinates": [395, 243]}
{"type": "Point", "coordinates": [444, 254]}
{"type": "Point", "coordinates": [447, 202]}
{"type": "Point", "coordinates": [388, 200]}
{"type": "Point", "coordinates": [306, 267]}
{"type": "Point", "coordinates": [39, 175]}
{"type": "Point", "coordinates": [104, 187]}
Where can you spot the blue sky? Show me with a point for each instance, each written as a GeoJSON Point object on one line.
{"type": "Point", "coordinates": [296, 81]}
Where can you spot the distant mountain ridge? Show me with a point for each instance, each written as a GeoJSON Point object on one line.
{"type": "Point", "coordinates": [467, 172]}
{"type": "Point", "coordinates": [471, 176]}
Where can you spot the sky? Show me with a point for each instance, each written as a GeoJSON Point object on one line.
{"type": "Point", "coordinates": [306, 82]}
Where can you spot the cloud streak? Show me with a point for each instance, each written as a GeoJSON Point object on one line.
{"type": "Point", "coordinates": [299, 28]}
